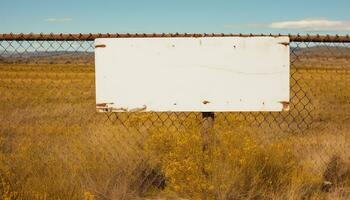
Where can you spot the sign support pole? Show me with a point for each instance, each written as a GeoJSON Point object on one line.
{"type": "Point", "coordinates": [207, 125]}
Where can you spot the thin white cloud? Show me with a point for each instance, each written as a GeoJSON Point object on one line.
{"type": "Point", "coordinates": [311, 25]}
{"type": "Point", "coordinates": [58, 20]}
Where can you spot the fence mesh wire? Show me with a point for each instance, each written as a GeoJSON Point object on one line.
{"type": "Point", "coordinates": [47, 89]}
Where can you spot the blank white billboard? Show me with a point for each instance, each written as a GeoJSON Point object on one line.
{"type": "Point", "coordinates": [197, 74]}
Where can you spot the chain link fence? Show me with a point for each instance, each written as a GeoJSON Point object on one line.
{"type": "Point", "coordinates": [47, 100]}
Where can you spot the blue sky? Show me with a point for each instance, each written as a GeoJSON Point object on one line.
{"type": "Point", "coordinates": [170, 16]}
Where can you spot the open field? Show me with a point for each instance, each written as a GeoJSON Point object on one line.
{"type": "Point", "coordinates": [54, 145]}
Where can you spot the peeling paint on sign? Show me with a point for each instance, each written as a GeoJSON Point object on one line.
{"type": "Point", "coordinates": [198, 74]}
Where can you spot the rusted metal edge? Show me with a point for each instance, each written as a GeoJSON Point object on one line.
{"type": "Point", "coordinates": [100, 46]}
{"type": "Point", "coordinates": [285, 105]}
{"type": "Point", "coordinates": [284, 43]}
{"type": "Point", "coordinates": [90, 37]}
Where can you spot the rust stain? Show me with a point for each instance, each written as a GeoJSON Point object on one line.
{"type": "Point", "coordinates": [284, 43]}
{"type": "Point", "coordinates": [285, 105]}
{"type": "Point", "coordinates": [205, 102]}
{"type": "Point", "coordinates": [100, 46]}
{"type": "Point", "coordinates": [101, 104]}
{"type": "Point", "coordinates": [103, 107]}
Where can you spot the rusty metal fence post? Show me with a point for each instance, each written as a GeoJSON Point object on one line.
{"type": "Point", "coordinates": [208, 119]}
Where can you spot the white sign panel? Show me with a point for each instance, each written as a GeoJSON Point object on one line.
{"type": "Point", "coordinates": [204, 74]}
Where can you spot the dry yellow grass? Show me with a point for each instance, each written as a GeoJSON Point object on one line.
{"type": "Point", "coordinates": [53, 144]}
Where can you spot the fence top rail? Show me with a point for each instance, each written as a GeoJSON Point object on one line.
{"type": "Point", "coordinates": [90, 36]}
